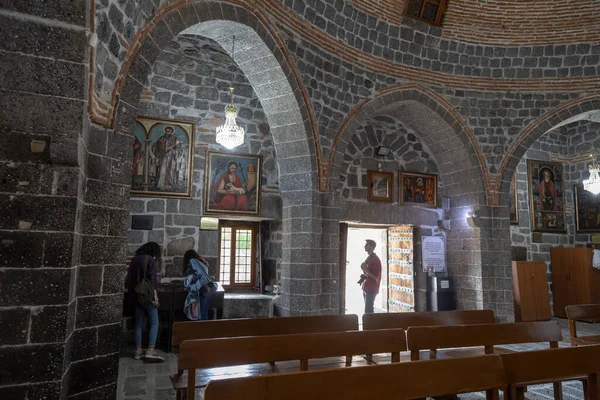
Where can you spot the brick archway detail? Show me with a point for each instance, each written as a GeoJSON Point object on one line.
{"type": "Point", "coordinates": [533, 132]}
{"type": "Point", "coordinates": [174, 17]}
{"type": "Point", "coordinates": [403, 94]}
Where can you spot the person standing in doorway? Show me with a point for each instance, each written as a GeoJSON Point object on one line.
{"type": "Point", "coordinates": [371, 268]}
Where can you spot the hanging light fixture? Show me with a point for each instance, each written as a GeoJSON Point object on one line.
{"type": "Point", "coordinates": [230, 135]}
{"type": "Point", "coordinates": [593, 183]}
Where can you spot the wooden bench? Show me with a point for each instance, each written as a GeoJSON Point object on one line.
{"type": "Point", "coordinates": [582, 312]}
{"type": "Point", "coordinates": [483, 336]}
{"type": "Point", "coordinates": [436, 318]}
{"type": "Point", "coordinates": [228, 352]}
{"type": "Point", "coordinates": [407, 319]}
{"type": "Point", "coordinates": [392, 381]}
{"type": "Point", "coordinates": [555, 365]}
{"type": "Point", "coordinates": [262, 326]}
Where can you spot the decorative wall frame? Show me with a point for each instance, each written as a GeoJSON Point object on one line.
{"type": "Point", "coordinates": [163, 159]}
{"type": "Point", "coordinates": [546, 196]}
{"type": "Point", "coordinates": [587, 210]}
{"type": "Point", "coordinates": [232, 183]}
{"type": "Point", "coordinates": [380, 186]}
{"type": "Point", "coordinates": [513, 201]}
{"type": "Point", "coordinates": [418, 189]}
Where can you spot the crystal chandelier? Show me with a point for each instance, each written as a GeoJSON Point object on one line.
{"type": "Point", "coordinates": [230, 135]}
{"type": "Point", "coordinates": [593, 183]}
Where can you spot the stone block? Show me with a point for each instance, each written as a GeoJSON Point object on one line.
{"type": "Point", "coordinates": [94, 220]}
{"type": "Point", "coordinates": [119, 146]}
{"type": "Point", "coordinates": [31, 391]}
{"type": "Point", "coordinates": [178, 247]}
{"type": "Point", "coordinates": [14, 326]}
{"type": "Point", "coordinates": [108, 339]}
{"type": "Point", "coordinates": [119, 222]}
{"type": "Point", "coordinates": [43, 76]}
{"type": "Point", "coordinates": [81, 345]}
{"type": "Point", "coordinates": [24, 366]}
{"type": "Point", "coordinates": [89, 280]}
{"type": "Point", "coordinates": [59, 117]}
{"type": "Point", "coordinates": [106, 194]}
{"type": "Point", "coordinates": [48, 324]}
{"type": "Point", "coordinates": [52, 42]}
{"type": "Point", "coordinates": [98, 310]}
{"type": "Point", "coordinates": [102, 250]}
{"type": "Point", "coordinates": [16, 146]}
{"type": "Point", "coordinates": [34, 287]}
{"type": "Point", "coordinates": [113, 278]}
{"type": "Point", "coordinates": [157, 236]}
{"type": "Point", "coordinates": [157, 205]}
{"type": "Point", "coordinates": [93, 373]}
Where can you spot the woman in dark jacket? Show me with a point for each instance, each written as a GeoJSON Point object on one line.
{"type": "Point", "coordinates": [144, 265]}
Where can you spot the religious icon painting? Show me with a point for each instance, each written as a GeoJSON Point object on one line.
{"type": "Point", "coordinates": [232, 183]}
{"type": "Point", "coordinates": [418, 189]}
{"type": "Point", "coordinates": [513, 201]}
{"type": "Point", "coordinates": [163, 158]}
{"type": "Point", "coordinates": [587, 210]}
{"type": "Point", "coordinates": [380, 186]}
{"type": "Point", "coordinates": [546, 196]}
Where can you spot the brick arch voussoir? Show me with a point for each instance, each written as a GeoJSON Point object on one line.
{"type": "Point", "coordinates": [533, 132]}
{"type": "Point", "coordinates": [171, 19]}
{"type": "Point", "coordinates": [398, 95]}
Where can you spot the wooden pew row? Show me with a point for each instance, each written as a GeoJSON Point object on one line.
{"type": "Point", "coordinates": [393, 381]}
{"type": "Point", "coordinates": [262, 326]}
{"type": "Point", "coordinates": [438, 318]}
{"type": "Point", "coordinates": [582, 312]}
{"type": "Point", "coordinates": [228, 352]}
{"type": "Point", "coordinates": [434, 318]}
{"type": "Point", "coordinates": [406, 380]}
{"type": "Point", "coordinates": [477, 339]}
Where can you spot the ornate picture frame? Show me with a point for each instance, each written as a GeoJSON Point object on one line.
{"type": "Point", "coordinates": [163, 158]}
{"type": "Point", "coordinates": [232, 183]}
{"type": "Point", "coordinates": [587, 210]}
{"type": "Point", "coordinates": [546, 196]}
{"type": "Point", "coordinates": [380, 186]}
{"type": "Point", "coordinates": [513, 201]}
{"type": "Point", "coordinates": [417, 189]}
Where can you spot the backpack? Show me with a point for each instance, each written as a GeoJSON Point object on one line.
{"type": "Point", "coordinates": [145, 289]}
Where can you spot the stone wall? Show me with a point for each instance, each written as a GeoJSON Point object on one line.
{"type": "Point", "coordinates": [190, 81]}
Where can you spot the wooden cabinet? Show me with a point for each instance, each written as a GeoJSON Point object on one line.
{"type": "Point", "coordinates": [530, 290]}
{"type": "Point", "coordinates": [574, 281]}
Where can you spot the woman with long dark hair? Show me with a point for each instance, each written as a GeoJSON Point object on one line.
{"type": "Point", "coordinates": [195, 268]}
{"type": "Point", "coordinates": [143, 265]}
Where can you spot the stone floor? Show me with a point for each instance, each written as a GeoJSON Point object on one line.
{"type": "Point", "coordinates": [141, 381]}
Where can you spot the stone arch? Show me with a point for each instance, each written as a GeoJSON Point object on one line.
{"type": "Point", "coordinates": [442, 129]}
{"type": "Point", "coordinates": [263, 59]}
{"type": "Point", "coordinates": [585, 107]}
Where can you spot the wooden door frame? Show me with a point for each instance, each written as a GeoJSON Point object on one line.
{"type": "Point", "coordinates": [343, 250]}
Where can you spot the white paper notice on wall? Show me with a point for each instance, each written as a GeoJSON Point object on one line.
{"type": "Point", "coordinates": [433, 251]}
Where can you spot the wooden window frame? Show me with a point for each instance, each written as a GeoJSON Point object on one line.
{"type": "Point", "coordinates": [235, 226]}
{"type": "Point", "coordinates": [442, 8]}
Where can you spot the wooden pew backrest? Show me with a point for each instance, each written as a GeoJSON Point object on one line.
{"type": "Point", "coordinates": [262, 326]}
{"type": "Point", "coordinates": [408, 319]}
{"type": "Point", "coordinates": [558, 364]}
{"type": "Point", "coordinates": [440, 337]}
{"type": "Point", "coordinates": [392, 381]}
{"type": "Point", "coordinates": [582, 312]}
{"type": "Point", "coordinates": [212, 353]}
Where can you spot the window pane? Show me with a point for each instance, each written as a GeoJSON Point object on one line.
{"type": "Point", "coordinates": [243, 256]}
{"type": "Point", "coordinates": [225, 258]}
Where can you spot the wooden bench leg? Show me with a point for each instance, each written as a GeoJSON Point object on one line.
{"type": "Point", "coordinates": [492, 394]}
{"type": "Point", "coordinates": [557, 386]}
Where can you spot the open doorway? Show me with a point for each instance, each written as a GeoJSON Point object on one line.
{"type": "Point", "coordinates": [355, 255]}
